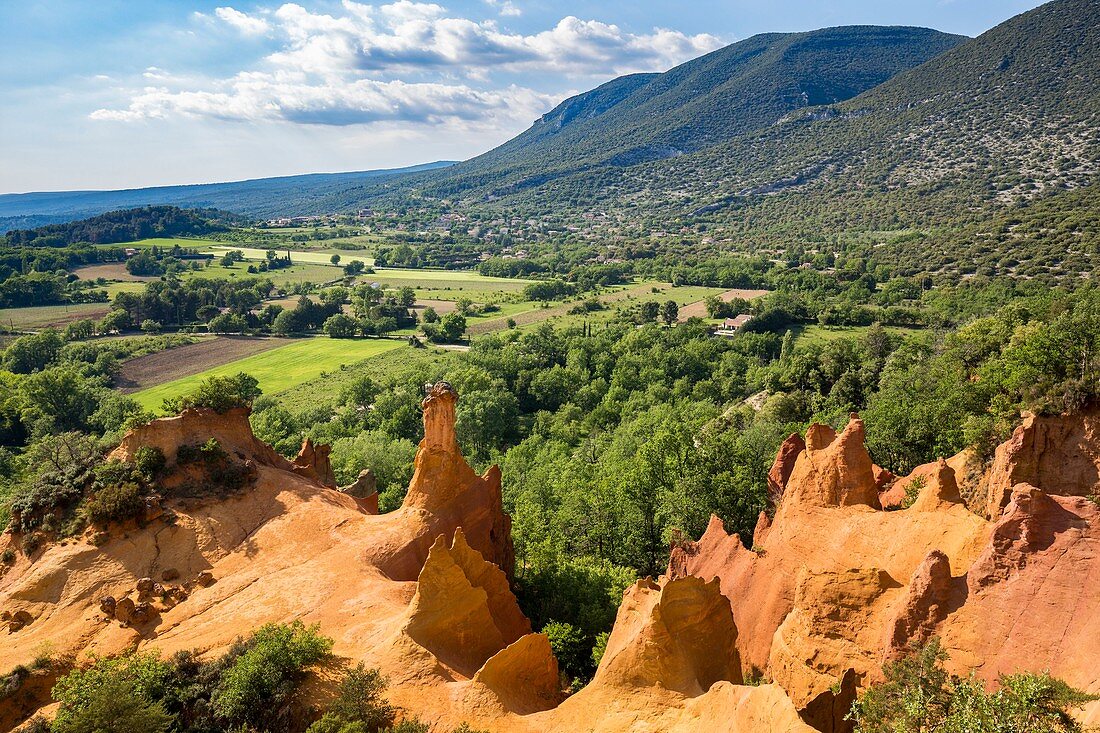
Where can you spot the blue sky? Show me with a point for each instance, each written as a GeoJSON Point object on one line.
{"type": "Point", "coordinates": [113, 94]}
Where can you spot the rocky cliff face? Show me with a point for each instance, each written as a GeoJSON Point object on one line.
{"type": "Point", "coordinates": [834, 587]}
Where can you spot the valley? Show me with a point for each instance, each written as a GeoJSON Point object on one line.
{"type": "Point", "coordinates": [756, 388]}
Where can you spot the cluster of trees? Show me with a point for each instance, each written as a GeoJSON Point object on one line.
{"type": "Point", "coordinates": [443, 252]}
{"type": "Point", "coordinates": [47, 288]}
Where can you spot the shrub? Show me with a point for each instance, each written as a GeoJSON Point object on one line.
{"type": "Point", "coordinates": [572, 650]}
{"type": "Point", "coordinates": [149, 461]}
{"type": "Point", "coordinates": [119, 694]}
{"type": "Point", "coordinates": [599, 648]}
{"type": "Point", "coordinates": [220, 394]}
{"type": "Point", "coordinates": [115, 503]}
{"type": "Point", "coordinates": [256, 687]}
{"type": "Point", "coordinates": [8, 557]}
{"type": "Point", "coordinates": [115, 707]}
{"type": "Point", "coordinates": [360, 699]}
{"type": "Point", "coordinates": [918, 695]}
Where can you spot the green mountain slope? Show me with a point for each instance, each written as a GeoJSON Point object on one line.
{"type": "Point", "coordinates": [703, 102]}
{"type": "Point", "coordinates": [1007, 122]}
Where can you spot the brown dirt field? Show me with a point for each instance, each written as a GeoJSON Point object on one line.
{"type": "Point", "coordinates": [699, 307]}
{"type": "Point", "coordinates": [442, 307]}
{"type": "Point", "coordinates": [183, 361]}
{"type": "Point", "coordinates": [110, 271]}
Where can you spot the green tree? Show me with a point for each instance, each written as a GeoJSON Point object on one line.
{"type": "Point", "coordinates": [919, 696]}
{"type": "Point", "coordinates": [340, 326]}
{"type": "Point", "coordinates": [220, 394]}
{"type": "Point", "coordinates": [669, 312]}
{"type": "Point", "coordinates": [335, 259]}
{"type": "Point", "coordinates": [260, 681]}
{"type": "Point", "coordinates": [34, 352]}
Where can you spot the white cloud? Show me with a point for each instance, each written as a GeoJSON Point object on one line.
{"type": "Point", "coordinates": [506, 8]}
{"type": "Point", "coordinates": [249, 25]}
{"type": "Point", "coordinates": [404, 61]}
{"type": "Point", "coordinates": [252, 96]}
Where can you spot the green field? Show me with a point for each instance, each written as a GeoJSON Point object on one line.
{"type": "Point", "coordinates": [278, 369]}
{"type": "Point", "coordinates": [313, 258]}
{"type": "Point", "coordinates": [398, 365]}
{"type": "Point", "coordinates": [821, 335]}
{"type": "Point", "coordinates": [165, 243]}
{"type": "Point", "coordinates": [41, 316]}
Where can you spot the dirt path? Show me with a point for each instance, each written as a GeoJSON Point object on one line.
{"type": "Point", "coordinates": [183, 361]}
{"type": "Point", "coordinates": [698, 309]}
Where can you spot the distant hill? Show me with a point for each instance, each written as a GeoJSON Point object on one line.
{"type": "Point", "coordinates": [259, 198]}
{"type": "Point", "coordinates": [127, 225]}
{"type": "Point", "coordinates": [704, 102]}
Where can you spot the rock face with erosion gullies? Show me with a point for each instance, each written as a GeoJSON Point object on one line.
{"type": "Point", "coordinates": [835, 586]}
{"type": "Point", "coordinates": [1057, 454]}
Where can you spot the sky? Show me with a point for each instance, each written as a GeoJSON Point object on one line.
{"type": "Point", "coordinates": [113, 94]}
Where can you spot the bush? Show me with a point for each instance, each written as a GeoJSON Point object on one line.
{"type": "Point", "coordinates": [359, 706]}
{"type": "Point", "coordinates": [120, 694]}
{"type": "Point", "coordinates": [599, 648]}
{"type": "Point", "coordinates": [149, 461]}
{"type": "Point", "coordinates": [255, 689]}
{"type": "Point", "coordinates": [572, 650]}
{"type": "Point", "coordinates": [220, 394]}
{"type": "Point", "coordinates": [115, 708]}
{"type": "Point", "coordinates": [919, 695]}
{"type": "Point", "coordinates": [115, 503]}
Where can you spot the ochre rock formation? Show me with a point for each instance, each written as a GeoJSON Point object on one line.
{"type": "Point", "coordinates": [524, 675]}
{"type": "Point", "coordinates": [313, 461]}
{"type": "Point", "coordinates": [835, 587]}
{"type": "Point", "coordinates": [833, 470]}
{"type": "Point", "coordinates": [680, 637]}
{"type": "Point", "coordinates": [1060, 455]}
{"type": "Point", "coordinates": [463, 611]}
{"type": "Point", "coordinates": [364, 490]}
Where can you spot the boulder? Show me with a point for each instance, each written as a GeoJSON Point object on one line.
{"type": "Point", "coordinates": [124, 610]}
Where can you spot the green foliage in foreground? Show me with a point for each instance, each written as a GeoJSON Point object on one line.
{"type": "Point", "coordinates": [251, 687]}
{"type": "Point", "coordinates": [919, 695]}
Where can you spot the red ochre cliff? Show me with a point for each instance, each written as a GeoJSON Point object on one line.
{"type": "Point", "coordinates": [834, 586]}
